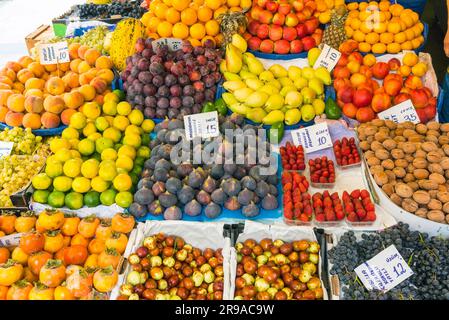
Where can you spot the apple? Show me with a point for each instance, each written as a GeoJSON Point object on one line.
{"type": "Point", "coordinates": [401, 97]}
{"type": "Point", "coordinates": [275, 32]}
{"type": "Point", "coordinates": [431, 110]}
{"type": "Point", "coordinates": [278, 19]}
{"type": "Point", "coordinates": [254, 43]}
{"type": "Point", "coordinates": [263, 31]}
{"type": "Point", "coordinates": [281, 46]}
{"type": "Point", "coordinates": [343, 61]}
{"type": "Point", "coordinates": [362, 98]}
{"type": "Point", "coordinates": [394, 64]}
{"type": "Point", "coordinates": [301, 30]}
{"type": "Point", "coordinates": [311, 25]}
{"type": "Point", "coordinates": [301, 17]}
{"type": "Point", "coordinates": [317, 36]}
{"type": "Point", "coordinates": [365, 114]}
{"type": "Point", "coordinates": [291, 20]}
{"type": "Point", "coordinates": [380, 70]}
{"type": "Point", "coordinates": [272, 6]}
{"type": "Point", "coordinates": [252, 27]}
{"type": "Point", "coordinates": [380, 102]}
{"type": "Point", "coordinates": [266, 46]}
{"type": "Point", "coordinates": [289, 33]}
{"type": "Point", "coordinates": [284, 8]}
{"type": "Point", "coordinates": [340, 83]}
{"type": "Point", "coordinates": [346, 94]}
{"type": "Point", "coordinates": [296, 46]}
{"type": "Point", "coordinates": [419, 98]}
{"type": "Point", "coordinates": [422, 115]}
{"type": "Point", "coordinates": [265, 17]}
{"type": "Point", "coordinates": [342, 72]}
{"type": "Point", "coordinates": [392, 87]}
{"type": "Point", "coordinates": [356, 56]}
{"type": "Point", "coordinates": [308, 43]}
{"type": "Point", "coordinates": [256, 12]}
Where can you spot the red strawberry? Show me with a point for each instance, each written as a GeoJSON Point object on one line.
{"type": "Point", "coordinates": [320, 217]}
{"type": "Point", "coordinates": [364, 194]}
{"type": "Point", "coordinates": [339, 214]}
{"type": "Point", "coordinates": [330, 216]}
{"type": "Point", "coordinates": [371, 216]}
{"type": "Point", "coordinates": [352, 217]}
{"type": "Point", "coordinates": [288, 215]}
{"type": "Point", "coordinates": [355, 194]}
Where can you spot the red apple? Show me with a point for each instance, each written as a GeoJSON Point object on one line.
{"type": "Point", "coordinates": [429, 93]}
{"type": "Point", "coordinates": [265, 17]}
{"type": "Point", "coordinates": [380, 70]}
{"type": "Point", "coordinates": [317, 37]}
{"type": "Point", "coordinates": [275, 32]}
{"type": "Point", "coordinates": [380, 102]}
{"type": "Point", "coordinates": [278, 19]}
{"type": "Point", "coordinates": [308, 43]}
{"type": "Point", "coordinates": [252, 27]}
{"type": "Point", "coordinates": [266, 46]}
{"type": "Point", "coordinates": [419, 98]}
{"type": "Point", "coordinates": [340, 83]}
{"type": "Point", "coordinates": [311, 25]}
{"type": "Point", "coordinates": [392, 87]}
{"type": "Point", "coordinates": [296, 46]}
{"type": "Point", "coordinates": [301, 17]}
{"type": "Point", "coordinates": [365, 114]}
{"type": "Point", "coordinates": [394, 64]}
{"type": "Point", "coordinates": [401, 97]}
{"type": "Point", "coordinates": [362, 98]}
{"type": "Point", "coordinates": [430, 111]}
{"type": "Point", "coordinates": [263, 31]}
{"type": "Point", "coordinates": [342, 72]}
{"type": "Point", "coordinates": [282, 47]}
{"type": "Point", "coordinates": [289, 33]}
{"type": "Point", "coordinates": [301, 30]}
{"type": "Point", "coordinates": [284, 8]}
{"type": "Point", "coordinates": [256, 11]}
{"type": "Point", "coordinates": [254, 43]}
{"type": "Point", "coordinates": [272, 6]}
{"type": "Point", "coordinates": [346, 94]}
{"type": "Point", "coordinates": [291, 20]}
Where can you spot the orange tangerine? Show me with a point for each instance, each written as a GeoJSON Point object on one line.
{"type": "Point", "coordinates": [219, 11]}
{"type": "Point", "coordinates": [364, 47]}
{"type": "Point", "coordinates": [400, 37]}
{"type": "Point", "coordinates": [372, 38]}
{"type": "Point", "coordinates": [355, 24]}
{"type": "Point", "coordinates": [208, 38]}
{"type": "Point", "coordinates": [204, 13]}
{"type": "Point", "coordinates": [416, 43]}
{"type": "Point", "coordinates": [384, 5]}
{"type": "Point", "coordinates": [180, 4]}
{"type": "Point", "coordinates": [153, 23]}
{"type": "Point", "coordinates": [160, 10]}
{"type": "Point", "coordinates": [379, 48]}
{"type": "Point", "coordinates": [212, 28]}
{"type": "Point", "coordinates": [349, 31]}
{"type": "Point", "coordinates": [380, 27]}
{"type": "Point", "coordinates": [407, 45]}
{"type": "Point", "coordinates": [172, 15]}
{"type": "Point", "coordinates": [213, 4]}
{"type": "Point", "coordinates": [194, 42]}
{"type": "Point", "coordinates": [358, 36]}
{"type": "Point", "coordinates": [180, 30]}
{"type": "Point", "coordinates": [197, 31]}
{"type": "Point", "coordinates": [415, 17]}
{"type": "Point", "coordinates": [165, 29]}
{"type": "Point", "coordinates": [188, 16]}
{"type": "Point", "coordinates": [386, 38]}
{"type": "Point", "coordinates": [367, 26]}
{"type": "Point", "coordinates": [396, 9]}
{"type": "Point", "coordinates": [394, 27]}
{"type": "Point", "coordinates": [393, 47]}
{"type": "Point", "coordinates": [405, 70]}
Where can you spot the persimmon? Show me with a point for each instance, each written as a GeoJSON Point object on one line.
{"type": "Point", "coordinates": [70, 226]}
{"type": "Point", "coordinates": [25, 222]}
{"type": "Point", "coordinates": [41, 292]}
{"type": "Point", "coordinates": [10, 272]}
{"type": "Point", "coordinates": [88, 226]}
{"type": "Point", "coordinates": [91, 261]}
{"type": "Point", "coordinates": [79, 283]}
{"type": "Point", "coordinates": [7, 221]}
{"type": "Point", "coordinates": [52, 273]}
{"type": "Point", "coordinates": [96, 246]}
{"type": "Point", "coordinates": [105, 279]}
{"type": "Point", "coordinates": [78, 239]}
{"type": "Point", "coordinates": [60, 254]}
{"type": "Point", "coordinates": [4, 254]}
{"type": "Point", "coordinates": [29, 276]}
{"type": "Point", "coordinates": [19, 290]}
{"type": "Point", "coordinates": [39, 227]}
{"type": "Point", "coordinates": [118, 241]}
{"type": "Point", "coordinates": [54, 241]}
{"type": "Point", "coordinates": [37, 260]}
{"type": "Point", "coordinates": [109, 257]}
{"type": "Point", "coordinates": [122, 222]}
{"type": "Point", "coordinates": [51, 220]}
{"type": "Point", "coordinates": [20, 256]}
{"type": "Point", "coordinates": [66, 241]}
{"type": "Point", "coordinates": [75, 254]}
{"type": "Point", "coordinates": [104, 230]}
{"type": "Point", "coordinates": [62, 293]}
{"type": "Point", "coordinates": [3, 292]}
{"type": "Point", "coordinates": [2, 234]}
{"type": "Point", "coordinates": [32, 242]}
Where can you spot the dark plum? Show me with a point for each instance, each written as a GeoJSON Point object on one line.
{"type": "Point", "coordinates": [262, 189]}
{"type": "Point", "coordinates": [217, 171]}
{"type": "Point", "coordinates": [151, 101]}
{"type": "Point", "coordinates": [139, 107]}
{"type": "Point", "coordinates": [203, 197]}
{"type": "Point", "coordinates": [173, 185]}
{"type": "Point", "coordinates": [175, 102]}
{"type": "Point", "coordinates": [163, 91]}
{"type": "Point", "coordinates": [199, 86]}
{"type": "Point", "coordinates": [212, 210]}
{"type": "Point", "coordinates": [209, 43]}
{"type": "Point", "coordinates": [161, 50]}
{"type": "Point", "coordinates": [188, 90]}
{"type": "Point", "coordinates": [170, 80]}
{"type": "Point", "coordinates": [163, 103]}
{"type": "Point", "coordinates": [209, 81]}
{"type": "Point", "coordinates": [219, 196]}
{"type": "Point", "coordinates": [157, 81]}
{"type": "Point", "coordinates": [212, 66]}
{"type": "Point", "coordinates": [134, 71]}
{"type": "Point", "coordinates": [184, 112]}
{"type": "Point", "coordinates": [177, 69]}
{"type": "Point", "coordinates": [149, 44]}
{"type": "Point", "coordinates": [143, 64]}
{"type": "Point", "coordinates": [209, 95]}
{"type": "Point", "coordinates": [209, 185]}
{"type": "Point", "coordinates": [193, 208]}
{"type": "Point", "coordinates": [145, 77]}
{"type": "Point", "coordinates": [186, 194]}
{"type": "Point", "coordinates": [199, 97]}
{"type": "Point", "coordinates": [161, 113]}
{"type": "Point", "coordinates": [231, 186]}
{"type": "Point", "coordinates": [161, 174]}
{"type": "Point", "coordinates": [138, 210]}
{"type": "Point", "coordinates": [250, 210]}
{"type": "Point", "coordinates": [196, 108]}
{"type": "Point", "coordinates": [245, 197]}
{"type": "Point", "coordinates": [176, 90]}
{"type": "Point", "coordinates": [150, 90]}
{"type": "Point", "coordinates": [269, 202]}
{"type": "Point", "coordinates": [232, 204]}
{"type": "Point", "coordinates": [183, 79]}
{"type": "Point", "coordinates": [144, 196]}
{"type": "Point", "coordinates": [156, 68]}
{"type": "Point", "coordinates": [139, 99]}
{"type": "Point", "coordinates": [173, 113]}
{"type": "Point", "coordinates": [147, 53]}
{"type": "Point", "coordinates": [155, 208]}
{"type": "Point", "coordinates": [198, 50]}
{"type": "Point", "coordinates": [173, 213]}
{"type": "Point", "coordinates": [156, 59]}
{"type": "Point", "coordinates": [167, 199]}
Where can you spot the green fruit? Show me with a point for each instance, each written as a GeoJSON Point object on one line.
{"type": "Point", "coordinates": [74, 200]}
{"type": "Point", "coordinates": [239, 108]}
{"type": "Point", "coordinates": [139, 161]}
{"type": "Point", "coordinates": [124, 199]}
{"type": "Point", "coordinates": [144, 152]}
{"type": "Point", "coordinates": [145, 139]}
{"type": "Point", "coordinates": [229, 76]}
{"type": "Point", "coordinates": [292, 116]}
{"type": "Point", "coordinates": [107, 197]}
{"type": "Point", "coordinates": [324, 75]}
{"type": "Point", "coordinates": [102, 144]}
{"type": "Point", "coordinates": [86, 147]}
{"type": "Point", "coordinates": [120, 94]}
{"type": "Point", "coordinates": [307, 112]}
{"type": "Point", "coordinates": [229, 98]}
{"type": "Point", "coordinates": [41, 196]}
{"type": "Point", "coordinates": [254, 65]}
{"type": "Point", "coordinates": [92, 199]}
{"type": "Point", "coordinates": [245, 74]}
{"type": "Point", "coordinates": [56, 199]}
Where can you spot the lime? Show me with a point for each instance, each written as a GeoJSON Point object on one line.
{"type": "Point", "coordinates": [132, 140]}
{"type": "Point", "coordinates": [56, 199]}
{"type": "Point", "coordinates": [110, 108]}
{"type": "Point", "coordinates": [78, 121]}
{"type": "Point", "coordinates": [146, 140]}
{"type": "Point", "coordinates": [62, 183]}
{"type": "Point", "coordinates": [89, 129]}
{"type": "Point", "coordinates": [136, 117]}
{"type": "Point", "coordinates": [120, 94]}
{"type": "Point", "coordinates": [122, 182]}
{"type": "Point", "coordinates": [53, 169]}
{"type": "Point", "coordinates": [121, 170]}
{"type": "Point", "coordinates": [139, 161]}
{"type": "Point", "coordinates": [137, 170]}
{"type": "Point", "coordinates": [109, 154]}
{"type": "Point", "coordinates": [52, 159]}
{"type": "Point", "coordinates": [123, 108]}
{"type": "Point", "coordinates": [113, 134]}
{"type": "Point", "coordinates": [144, 152]}
{"type": "Point", "coordinates": [103, 144]}
{"type": "Point", "coordinates": [96, 156]}
{"type": "Point", "coordinates": [74, 200]}
{"type": "Point", "coordinates": [108, 197]}
{"type": "Point", "coordinates": [89, 168]}
{"type": "Point", "coordinates": [41, 181]}
{"type": "Point", "coordinates": [148, 125]}
{"type": "Point", "coordinates": [81, 184]}
{"type": "Point", "coordinates": [86, 147]}
{"type": "Point", "coordinates": [98, 184]}
{"type": "Point", "coordinates": [101, 123]}
{"type": "Point", "coordinates": [134, 177]}
{"type": "Point", "coordinates": [70, 133]}
{"type": "Point", "coordinates": [41, 196]}
{"type": "Point", "coordinates": [124, 199]}
{"type": "Point", "coordinates": [92, 199]}
{"type": "Point", "coordinates": [117, 146]}
{"type": "Point", "coordinates": [124, 162]}
{"type": "Point", "coordinates": [72, 167]}
{"type": "Point", "coordinates": [127, 151]}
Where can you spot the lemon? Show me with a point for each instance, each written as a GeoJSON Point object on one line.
{"type": "Point", "coordinates": [109, 154]}
{"type": "Point", "coordinates": [62, 183]}
{"type": "Point", "coordinates": [110, 107]}
{"type": "Point", "coordinates": [101, 123]}
{"type": "Point", "coordinates": [89, 168]}
{"type": "Point", "coordinates": [113, 134]}
{"type": "Point", "coordinates": [133, 129]}
{"type": "Point", "coordinates": [89, 129]}
{"type": "Point", "coordinates": [132, 140]}
{"type": "Point", "coordinates": [122, 182]}
{"type": "Point", "coordinates": [127, 151]}
{"type": "Point", "coordinates": [121, 122]}
{"type": "Point", "coordinates": [148, 125]}
{"type": "Point", "coordinates": [52, 159]}
{"type": "Point", "coordinates": [98, 184]}
{"type": "Point", "coordinates": [124, 199]}
{"type": "Point", "coordinates": [124, 162]}
{"type": "Point", "coordinates": [81, 184]}
{"type": "Point", "coordinates": [78, 120]}
{"type": "Point", "coordinates": [58, 144]}
{"type": "Point", "coordinates": [144, 152]}
{"type": "Point", "coordinates": [123, 108]}
{"type": "Point", "coordinates": [111, 97]}
{"type": "Point", "coordinates": [54, 169]}
{"type": "Point", "coordinates": [102, 144]}
{"type": "Point", "coordinates": [91, 110]}
{"type": "Point", "coordinates": [63, 155]}
{"type": "Point", "coordinates": [74, 143]}
{"type": "Point", "coordinates": [72, 167]}
{"type": "Point", "coordinates": [110, 120]}
{"type": "Point", "coordinates": [94, 136]}
{"type": "Point", "coordinates": [75, 154]}
{"type": "Point", "coordinates": [86, 147]}
{"type": "Point", "coordinates": [41, 181]}
{"type": "Point", "coordinates": [107, 171]}
{"type": "Point", "coordinates": [70, 133]}
{"type": "Point", "coordinates": [136, 117]}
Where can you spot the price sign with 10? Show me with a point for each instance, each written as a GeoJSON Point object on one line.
{"type": "Point", "coordinates": [328, 58]}
{"type": "Point", "coordinates": [313, 138]}
{"type": "Point", "coordinates": [54, 53]}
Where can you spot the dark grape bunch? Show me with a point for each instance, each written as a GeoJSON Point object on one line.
{"type": "Point", "coordinates": [428, 257]}
{"type": "Point", "coordinates": [172, 84]}
{"type": "Point", "coordinates": [125, 9]}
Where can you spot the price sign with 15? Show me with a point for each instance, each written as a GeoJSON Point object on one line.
{"type": "Point", "coordinates": [204, 125]}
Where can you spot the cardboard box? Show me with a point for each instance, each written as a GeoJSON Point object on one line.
{"type": "Point", "coordinates": [42, 33]}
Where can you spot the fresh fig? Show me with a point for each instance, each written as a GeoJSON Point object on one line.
{"type": "Point", "coordinates": [173, 213]}
{"type": "Point", "coordinates": [203, 197]}
{"type": "Point", "coordinates": [186, 194]}
{"type": "Point", "coordinates": [219, 196]}
{"type": "Point", "coordinates": [138, 210]}
{"type": "Point", "coordinates": [155, 208]}
{"type": "Point", "coordinates": [232, 204]}
{"type": "Point", "coordinates": [209, 185]}
{"type": "Point", "coordinates": [158, 188]}
{"type": "Point", "coordinates": [251, 210]}
{"type": "Point", "coordinates": [167, 199]}
{"type": "Point", "coordinates": [245, 197]}
{"type": "Point", "coordinates": [249, 183]}
{"type": "Point", "coordinates": [144, 196]}
{"type": "Point", "coordinates": [269, 202]}
{"type": "Point", "coordinates": [262, 189]}
{"type": "Point", "coordinates": [193, 208]}
{"type": "Point", "coordinates": [184, 169]}
{"type": "Point", "coordinates": [231, 186]}
{"type": "Point", "coordinates": [212, 210]}
{"type": "Point", "coordinates": [173, 185]}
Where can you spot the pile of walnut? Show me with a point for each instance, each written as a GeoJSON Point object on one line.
{"type": "Point", "coordinates": [411, 164]}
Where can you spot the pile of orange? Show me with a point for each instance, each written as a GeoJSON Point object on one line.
{"type": "Point", "coordinates": [42, 96]}
{"type": "Point", "coordinates": [195, 20]}
{"type": "Point", "coordinates": [382, 27]}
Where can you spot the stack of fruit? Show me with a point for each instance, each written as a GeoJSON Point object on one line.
{"type": "Point", "coordinates": [163, 83]}
{"type": "Point", "coordinates": [66, 258]}
{"type": "Point", "coordinates": [365, 86]}
{"type": "Point", "coordinates": [358, 206]}
{"type": "Point", "coordinates": [35, 95]}
{"type": "Point", "coordinates": [345, 151]}
{"type": "Point", "coordinates": [193, 20]}
{"type": "Point", "coordinates": [93, 38]}
{"type": "Point", "coordinates": [98, 158]}
{"type": "Point", "coordinates": [327, 207]}
{"type": "Point", "coordinates": [381, 27]}
{"type": "Point", "coordinates": [292, 157]}
{"type": "Point", "coordinates": [322, 172]}
{"type": "Point", "coordinates": [275, 94]}
{"type": "Point", "coordinates": [296, 199]}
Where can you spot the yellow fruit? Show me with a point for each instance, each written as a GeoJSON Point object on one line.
{"type": "Point", "coordinates": [148, 125]}
{"type": "Point", "coordinates": [70, 133]}
{"type": "Point", "coordinates": [372, 38]}
{"type": "Point", "coordinates": [89, 168]}
{"type": "Point", "coordinates": [75, 154]}
{"type": "Point", "coordinates": [386, 38]}
{"type": "Point", "coordinates": [380, 27]}
{"type": "Point", "coordinates": [415, 17]}
{"type": "Point", "coordinates": [91, 110]}
{"type": "Point", "coordinates": [54, 169]}
{"type": "Point", "coordinates": [180, 31]}
{"type": "Point", "coordinates": [180, 4]}
{"type": "Point", "coordinates": [219, 12]}
{"type": "Point", "coordinates": [136, 117]}
{"type": "Point", "coordinates": [124, 162]}
{"type": "Point", "coordinates": [89, 129]}
{"type": "Point", "coordinates": [355, 24]}
{"type": "Point", "coordinates": [59, 143]}
{"type": "Point", "coordinates": [62, 155]}
{"type": "Point", "coordinates": [349, 31]}
{"type": "Point", "coordinates": [107, 171]}
{"type": "Point", "coordinates": [120, 122]}
{"type": "Point", "coordinates": [124, 108]}
{"type": "Point", "coordinates": [204, 14]}
{"type": "Point", "coordinates": [81, 184]}
{"type": "Point", "coordinates": [352, 6]}
{"type": "Point", "coordinates": [109, 154]}
{"type": "Point", "coordinates": [172, 15]}
{"type": "Point", "coordinates": [197, 31]}
{"type": "Point", "coordinates": [233, 3]}
{"type": "Point", "coordinates": [384, 5]}
{"type": "Point", "coordinates": [98, 184]}
{"type": "Point", "coordinates": [132, 140]}
{"type": "Point", "coordinates": [188, 16]}
{"type": "Point", "coordinates": [213, 4]}
{"type": "Point", "coordinates": [212, 28]}
{"type": "Point", "coordinates": [324, 17]}
{"type": "Point", "coordinates": [394, 27]}
{"type": "Point", "coordinates": [153, 23]}
{"type": "Point", "coordinates": [126, 150]}
{"type": "Point", "coordinates": [160, 10]}
{"type": "Point", "coordinates": [405, 70]}
{"type": "Point", "coordinates": [393, 48]}
{"type": "Point", "coordinates": [364, 47]}
{"type": "Point", "coordinates": [133, 129]}
{"type": "Point", "coordinates": [419, 69]}
{"type": "Point", "coordinates": [400, 37]}
{"type": "Point", "coordinates": [366, 27]}
{"type": "Point", "coordinates": [122, 182]}
{"type": "Point", "coordinates": [416, 43]}
{"type": "Point", "coordinates": [72, 167]}
{"type": "Point", "coordinates": [94, 136]}
{"type": "Point", "coordinates": [379, 48]}
{"type": "Point", "coordinates": [164, 29]}
{"type": "Point", "coordinates": [62, 183]}
{"type": "Point", "coordinates": [396, 10]}
{"type": "Point", "coordinates": [369, 60]}
{"type": "Point", "coordinates": [407, 45]}
{"type": "Point", "coordinates": [410, 59]}
{"type": "Point", "coordinates": [78, 120]}
{"type": "Point", "coordinates": [112, 133]}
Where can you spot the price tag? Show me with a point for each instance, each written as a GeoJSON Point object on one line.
{"type": "Point", "coordinates": [328, 58]}
{"type": "Point", "coordinates": [53, 53]}
{"type": "Point", "coordinates": [204, 125]}
{"type": "Point", "coordinates": [313, 138]}
{"type": "Point", "coordinates": [5, 148]}
{"type": "Point", "coordinates": [11, 241]}
{"type": "Point", "coordinates": [384, 271]}
{"type": "Point", "coordinates": [405, 111]}
{"type": "Point", "coordinates": [172, 43]}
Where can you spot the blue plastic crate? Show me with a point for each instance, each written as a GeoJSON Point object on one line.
{"type": "Point", "coordinates": [40, 132]}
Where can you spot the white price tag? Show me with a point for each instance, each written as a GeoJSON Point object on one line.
{"type": "Point", "coordinates": [384, 271]}
{"type": "Point", "coordinates": [11, 241]}
{"type": "Point", "coordinates": [5, 148]}
{"type": "Point", "coordinates": [405, 111]}
{"type": "Point", "coordinates": [328, 58]}
{"type": "Point", "coordinates": [172, 43]}
{"type": "Point", "coordinates": [313, 138]}
{"type": "Point", "coordinates": [53, 53]}
{"type": "Point", "coordinates": [204, 125]}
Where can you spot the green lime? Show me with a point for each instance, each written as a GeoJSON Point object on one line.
{"type": "Point", "coordinates": [96, 156]}
{"type": "Point", "coordinates": [103, 144]}
{"type": "Point", "coordinates": [92, 199]}
{"type": "Point", "coordinates": [134, 177]}
{"type": "Point", "coordinates": [139, 161]}
{"type": "Point", "coordinates": [118, 146]}
{"type": "Point", "coordinates": [74, 200]}
{"type": "Point", "coordinates": [136, 170]}
{"type": "Point", "coordinates": [146, 139]}
{"type": "Point", "coordinates": [56, 199]}
{"type": "Point", "coordinates": [41, 196]}
{"type": "Point", "coordinates": [108, 197]}
{"type": "Point", "coordinates": [144, 152]}
{"type": "Point", "coordinates": [120, 94]}
{"type": "Point", "coordinates": [124, 199]}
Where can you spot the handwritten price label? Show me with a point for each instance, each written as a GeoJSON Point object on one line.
{"type": "Point", "coordinates": [384, 271]}
{"type": "Point", "coordinates": [53, 53]}
{"type": "Point", "coordinates": [172, 43]}
{"type": "Point", "coordinates": [328, 58]}
{"type": "Point", "coordinates": [204, 125]}
{"type": "Point", "coordinates": [405, 111]}
{"type": "Point", "coordinates": [11, 241]}
{"type": "Point", "coordinates": [313, 138]}
{"type": "Point", "coordinates": [5, 148]}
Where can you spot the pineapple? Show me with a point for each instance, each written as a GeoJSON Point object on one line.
{"type": "Point", "coordinates": [231, 23]}
{"type": "Point", "coordinates": [335, 34]}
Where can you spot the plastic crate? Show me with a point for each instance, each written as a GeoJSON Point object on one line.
{"type": "Point", "coordinates": [40, 132]}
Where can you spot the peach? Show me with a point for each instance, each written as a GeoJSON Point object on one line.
{"type": "Point", "coordinates": [16, 102]}
{"type": "Point", "coordinates": [401, 97]}
{"type": "Point", "coordinates": [262, 31]}
{"type": "Point", "coordinates": [296, 46]}
{"type": "Point", "coordinates": [278, 19]}
{"type": "Point", "coordinates": [25, 61]}
{"type": "Point", "coordinates": [365, 114]}
{"type": "Point", "coordinates": [380, 70]}
{"type": "Point", "coordinates": [99, 98]}
{"type": "Point", "coordinates": [82, 51]}
{"type": "Point", "coordinates": [91, 56]}
{"type": "Point", "coordinates": [362, 98]}
{"type": "Point", "coordinates": [357, 79]}
{"type": "Point", "coordinates": [50, 120]}
{"type": "Point", "coordinates": [55, 86]}
{"type": "Point", "coordinates": [37, 69]}
{"type": "Point", "coordinates": [73, 50]}
{"type": "Point", "coordinates": [6, 80]}
{"type": "Point", "coordinates": [413, 82]}
{"type": "Point", "coordinates": [392, 87]}
{"type": "Point", "coordinates": [340, 83]}
{"type": "Point", "coordinates": [341, 72]}
{"type": "Point", "coordinates": [289, 33]}
{"type": "Point", "coordinates": [419, 98]}
{"type": "Point", "coordinates": [85, 78]}
{"type": "Point", "coordinates": [428, 92]}
{"type": "Point", "coordinates": [281, 46]}
{"type": "Point", "coordinates": [64, 67]}
{"type": "Point", "coordinates": [353, 66]}
{"type": "Point", "coordinates": [3, 112]}
{"type": "Point", "coordinates": [54, 104]}
{"type": "Point", "coordinates": [381, 102]}
{"type": "Point", "coordinates": [346, 94]}
{"type": "Point", "coordinates": [35, 83]}
{"type": "Point", "coordinates": [50, 67]}
{"type": "Point", "coordinates": [431, 110]}
{"type": "Point", "coordinates": [66, 115]}
{"type": "Point", "coordinates": [369, 60]}
{"type": "Point", "coordinates": [4, 86]}
{"type": "Point", "coordinates": [7, 72]}
{"type": "Point", "coordinates": [265, 17]}
{"type": "Point", "coordinates": [73, 99]}
{"type": "Point", "coordinates": [14, 119]}
{"type": "Point", "coordinates": [34, 104]}
{"type": "Point", "coordinates": [103, 62]}
{"type": "Point", "coordinates": [74, 65]}
{"type": "Point", "coordinates": [422, 114]}
{"type": "Point", "coordinates": [4, 95]}
{"type": "Point", "coordinates": [101, 85]}
{"type": "Point", "coordinates": [291, 20]}
{"type": "Point", "coordinates": [31, 120]}
{"type": "Point", "coordinates": [356, 56]}
{"type": "Point", "coordinates": [394, 64]}
{"type": "Point", "coordinates": [18, 86]}
{"type": "Point", "coordinates": [253, 43]}
{"type": "Point", "coordinates": [71, 80]}
{"type": "Point", "coordinates": [34, 92]}
{"type": "Point", "coordinates": [349, 110]}
{"type": "Point", "coordinates": [365, 70]}
{"type": "Point", "coordinates": [14, 66]}
{"type": "Point", "coordinates": [88, 92]}
{"type": "Point", "coordinates": [83, 67]}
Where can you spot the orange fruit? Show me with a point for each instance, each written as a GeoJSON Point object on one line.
{"type": "Point", "coordinates": [188, 16]}
{"type": "Point", "coordinates": [400, 37]}
{"type": "Point", "coordinates": [364, 47]}
{"type": "Point", "coordinates": [372, 38]}
{"type": "Point", "coordinates": [172, 15]}
{"type": "Point", "coordinates": [212, 28]}
{"type": "Point", "coordinates": [396, 9]}
{"type": "Point", "coordinates": [352, 6]}
{"type": "Point", "coordinates": [405, 70]}
{"type": "Point", "coordinates": [180, 4]}
{"type": "Point", "coordinates": [379, 48]}
{"type": "Point", "coordinates": [386, 38]}
{"type": "Point", "coordinates": [358, 36]}
{"type": "Point", "coordinates": [384, 5]}
{"type": "Point", "coordinates": [180, 31]}
{"type": "Point", "coordinates": [160, 10]}
{"type": "Point", "coordinates": [213, 4]}
{"type": "Point", "coordinates": [349, 31]}
{"type": "Point", "coordinates": [355, 24]}
{"type": "Point", "coordinates": [197, 31]}
{"type": "Point", "coordinates": [407, 45]}
{"type": "Point", "coordinates": [194, 42]}
{"type": "Point", "coordinates": [380, 27]}
{"type": "Point", "coordinates": [208, 38]}
{"type": "Point", "coordinates": [394, 27]}
{"type": "Point", "coordinates": [204, 14]}
{"type": "Point", "coordinates": [165, 29]}
{"type": "Point", "coordinates": [153, 23]}
{"type": "Point", "coordinates": [393, 47]}
{"type": "Point", "coordinates": [219, 11]}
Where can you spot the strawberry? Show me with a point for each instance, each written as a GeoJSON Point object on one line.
{"type": "Point", "coordinates": [355, 194]}
{"type": "Point", "coordinates": [340, 215]}
{"type": "Point", "coordinates": [364, 194]}
{"type": "Point", "coordinates": [371, 216]}
{"type": "Point", "coordinates": [352, 217]}
{"type": "Point", "coordinates": [330, 216]}
{"type": "Point", "coordinates": [320, 217]}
